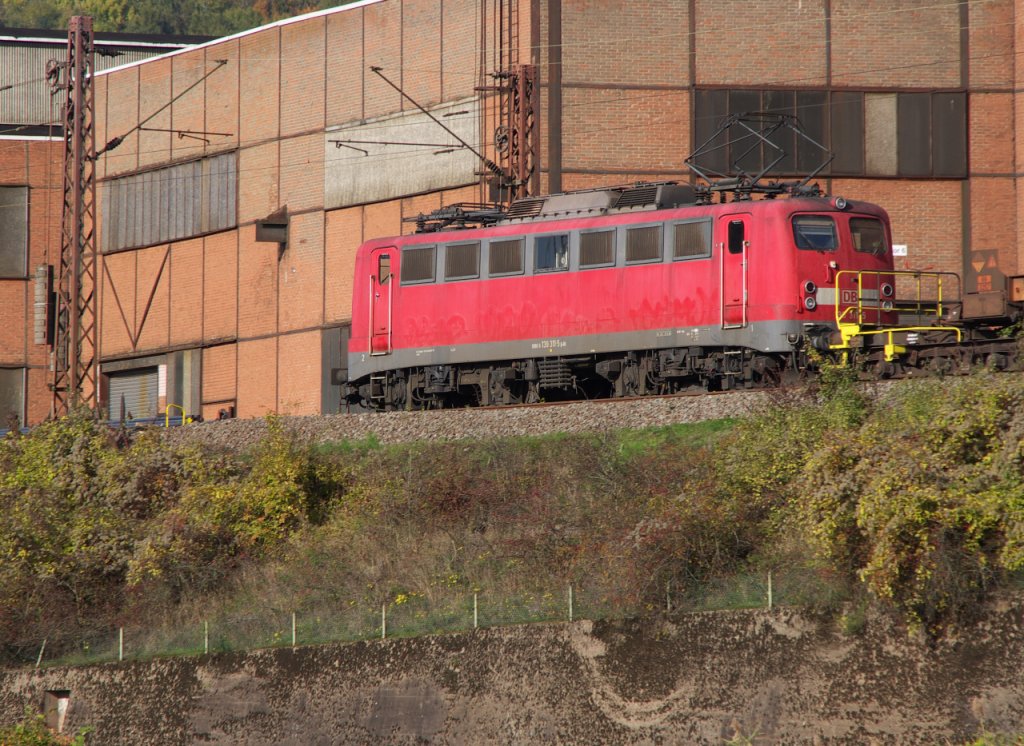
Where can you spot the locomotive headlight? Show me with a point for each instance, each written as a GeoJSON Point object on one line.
{"type": "Point", "coordinates": [840, 203]}
{"type": "Point", "coordinates": [810, 288]}
{"type": "Point", "coordinates": [809, 303]}
{"type": "Point", "coordinates": [886, 305]}
{"type": "Point", "coordinates": [886, 290]}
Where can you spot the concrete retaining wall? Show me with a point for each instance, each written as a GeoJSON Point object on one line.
{"type": "Point", "coordinates": [772, 676]}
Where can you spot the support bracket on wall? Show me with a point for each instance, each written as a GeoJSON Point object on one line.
{"type": "Point", "coordinates": [274, 229]}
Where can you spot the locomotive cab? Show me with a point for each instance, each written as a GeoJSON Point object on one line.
{"type": "Point", "coordinates": [843, 265]}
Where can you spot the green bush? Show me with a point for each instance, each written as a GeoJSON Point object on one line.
{"type": "Point", "coordinates": [915, 502]}
{"type": "Point", "coordinates": [32, 731]}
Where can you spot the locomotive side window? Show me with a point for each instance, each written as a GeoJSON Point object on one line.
{"type": "Point", "coordinates": [506, 257]}
{"type": "Point", "coordinates": [551, 253]}
{"type": "Point", "coordinates": [737, 236]}
{"type": "Point", "coordinates": [643, 244]}
{"type": "Point", "coordinates": [462, 261]}
{"type": "Point", "coordinates": [815, 232]}
{"type": "Point", "coordinates": [868, 236]}
{"type": "Point", "coordinates": [418, 265]}
{"type": "Point", "coordinates": [597, 249]}
{"type": "Point", "coordinates": [383, 268]}
{"type": "Point", "coordinates": [691, 240]}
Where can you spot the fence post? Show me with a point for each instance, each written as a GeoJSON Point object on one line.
{"type": "Point", "coordinates": [120, 643]}
{"type": "Point", "coordinates": [206, 637]}
{"type": "Point", "coordinates": [383, 621]}
{"type": "Point", "coordinates": [476, 618]}
{"type": "Point", "coordinates": [570, 602]}
{"type": "Point", "coordinates": [293, 629]}
{"type": "Point", "coordinates": [39, 660]}
{"type": "Point", "coordinates": [769, 589]}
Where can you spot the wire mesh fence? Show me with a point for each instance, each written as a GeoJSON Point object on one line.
{"type": "Point", "coordinates": [410, 614]}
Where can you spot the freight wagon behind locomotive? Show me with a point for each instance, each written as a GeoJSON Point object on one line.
{"type": "Point", "coordinates": [615, 292]}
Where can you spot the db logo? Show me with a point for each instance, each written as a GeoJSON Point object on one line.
{"type": "Point", "coordinates": [848, 297]}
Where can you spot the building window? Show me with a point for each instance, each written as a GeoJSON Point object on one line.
{"type": "Point", "coordinates": [462, 261]}
{"type": "Point", "coordinates": [506, 257]}
{"type": "Point", "coordinates": [12, 397]}
{"type": "Point", "coordinates": [552, 252]}
{"type": "Point", "coordinates": [13, 231]}
{"type": "Point", "coordinates": [871, 134]}
{"type": "Point", "coordinates": [169, 204]}
{"type": "Point", "coordinates": [815, 232]}
{"type": "Point", "coordinates": [691, 240]}
{"type": "Point", "coordinates": [597, 249]}
{"type": "Point", "coordinates": [418, 265]}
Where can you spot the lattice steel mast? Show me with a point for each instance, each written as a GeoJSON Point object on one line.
{"type": "Point", "coordinates": [516, 111]}
{"type": "Point", "coordinates": [76, 335]}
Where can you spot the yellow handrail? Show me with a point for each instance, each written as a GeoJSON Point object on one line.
{"type": "Point", "coordinates": [167, 414]}
{"type": "Point", "coordinates": [854, 317]}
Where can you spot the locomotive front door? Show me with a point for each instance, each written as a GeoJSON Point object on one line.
{"type": "Point", "coordinates": [381, 283]}
{"type": "Point", "coordinates": [733, 249]}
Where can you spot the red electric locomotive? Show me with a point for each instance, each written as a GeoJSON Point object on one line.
{"type": "Point", "coordinates": [653, 288]}
{"type": "Point", "coordinates": [610, 293]}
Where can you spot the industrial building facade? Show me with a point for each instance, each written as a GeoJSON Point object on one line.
{"type": "Point", "coordinates": [30, 200]}
{"type": "Point", "coordinates": [239, 176]}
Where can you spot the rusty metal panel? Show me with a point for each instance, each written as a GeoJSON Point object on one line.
{"type": "Point", "coordinates": [710, 109]}
{"type": "Point", "coordinates": [782, 102]}
{"type": "Point", "coordinates": [847, 132]}
{"type": "Point", "coordinates": [913, 134]}
{"type": "Point", "coordinates": [949, 134]}
{"type": "Point", "coordinates": [810, 109]}
{"type": "Point", "coordinates": [1016, 285]}
{"type": "Point", "coordinates": [744, 151]}
{"type": "Point", "coordinates": [985, 305]}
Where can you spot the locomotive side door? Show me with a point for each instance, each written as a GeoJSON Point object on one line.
{"type": "Point", "coordinates": [381, 283]}
{"type": "Point", "coordinates": [733, 248]}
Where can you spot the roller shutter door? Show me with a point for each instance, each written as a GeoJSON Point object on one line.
{"type": "Point", "coordinates": [138, 390]}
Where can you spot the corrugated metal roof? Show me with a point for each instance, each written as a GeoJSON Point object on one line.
{"type": "Point", "coordinates": [25, 95]}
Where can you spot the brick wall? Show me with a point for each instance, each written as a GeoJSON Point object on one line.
{"type": "Point", "coordinates": [35, 164]}
{"type": "Point", "coordinates": [762, 42]}
{"type": "Point", "coordinates": [909, 43]}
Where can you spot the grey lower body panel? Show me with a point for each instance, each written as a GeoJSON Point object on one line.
{"type": "Point", "coordinates": [763, 336]}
